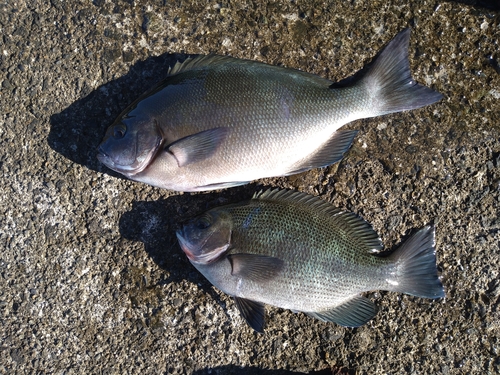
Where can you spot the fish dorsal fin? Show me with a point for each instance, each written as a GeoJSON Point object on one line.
{"type": "Point", "coordinates": [358, 229]}
{"type": "Point", "coordinates": [252, 312]}
{"type": "Point", "coordinates": [199, 62]}
{"type": "Point", "coordinates": [297, 198]}
{"type": "Point", "coordinates": [352, 313]}
{"type": "Point", "coordinates": [205, 61]}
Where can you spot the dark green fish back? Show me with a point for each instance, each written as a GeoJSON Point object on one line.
{"type": "Point", "coordinates": [297, 215]}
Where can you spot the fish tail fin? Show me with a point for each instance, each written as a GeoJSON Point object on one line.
{"type": "Point", "coordinates": [388, 81]}
{"type": "Point", "coordinates": [415, 266]}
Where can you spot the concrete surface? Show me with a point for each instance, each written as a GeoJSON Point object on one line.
{"type": "Point", "coordinates": [91, 277]}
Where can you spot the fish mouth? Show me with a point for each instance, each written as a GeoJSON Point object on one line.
{"type": "Point", "coordinates": [196, 255]}
{"type": "Point", "coordinates": [185, 245]}
{"type": "Point", "coordinates": [104, 158]}
{"type": "Point", "coordinates": [141, 162]}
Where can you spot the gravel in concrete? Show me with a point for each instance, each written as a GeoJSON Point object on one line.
{"type": "Point", "coordinates": [92, 279]}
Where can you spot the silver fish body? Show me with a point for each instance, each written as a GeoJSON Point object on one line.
{"type": "Point", "coordinates": [295, 251]}
{"type": "Point", "coordinates": [218, 121]}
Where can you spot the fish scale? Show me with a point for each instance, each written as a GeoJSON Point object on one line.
{"type": "Point", "coordinates": [295, 251]}
{"type": "Point", "coordinates": [218, 121]}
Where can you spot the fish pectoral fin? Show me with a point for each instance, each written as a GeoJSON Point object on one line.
{"type": "Point", "coordinates": [252, 312]}
{"type": "Point", "coordinates": [255, 267]}
{"type": "Point", "coordinates": [352, 313]}
{"type": "Point", "coordinates": [197, 147]}
{"type": "Point", "coordinates": [331, 152]}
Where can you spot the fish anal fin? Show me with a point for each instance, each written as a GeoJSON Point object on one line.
{"type": "Point", "coordinates": [257, 268]}
{"type": "Point", "coordinates": [252, 312]}
{"type": "Point", "coordinates": [197, 147]}
{"type": "Point", "coordinates": [352, 313]}
{"type": "Point", "coordinates": [331, 152]}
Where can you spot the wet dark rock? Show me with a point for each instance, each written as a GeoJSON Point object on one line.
{"type": "Point", "coordinates": [111, 54]}
{"type": "Point", "coordinates": [7, 85]}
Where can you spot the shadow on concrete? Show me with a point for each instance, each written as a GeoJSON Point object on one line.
{"type": "Point", "coordinates": [77, 131]}
{"type": "Point", "coordinates": [488, 4]}
{"type": "Point", "coordinates": [155, 222]}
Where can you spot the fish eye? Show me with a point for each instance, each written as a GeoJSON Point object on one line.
{"type": "Point", "coordinates": [119, 131]}
{"type": "Point", "coordinates": [203, 223]}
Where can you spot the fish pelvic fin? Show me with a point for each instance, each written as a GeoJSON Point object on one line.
{"type": "Point", "coordinates": [352, 313]}
{"type": "Point", "coordinates": [415, 271]}
{"type": "Point", "coordinates": [253, 312]}
{"type": "Point", "coordinates": [220, 185]}
{"type": "Point", "coordinates": [388, 81]}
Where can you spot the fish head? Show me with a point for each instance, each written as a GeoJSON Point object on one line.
{"type": "Point", "coordinates": [207, 237]}
{"type": "Point", "coordinates": [130, 144]}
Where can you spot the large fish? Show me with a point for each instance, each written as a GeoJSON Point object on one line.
{"type": "Point", "coordinates": [295, 251]}
{"type": "Point", "coordinates": [218, 121]}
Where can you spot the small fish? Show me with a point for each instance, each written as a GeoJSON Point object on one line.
{"type": "Point", "coordinates": [295, 251]}
{"type": "Point", "coordinates": [218, 121]}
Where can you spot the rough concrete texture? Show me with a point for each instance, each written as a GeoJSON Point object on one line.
{"type": "Point", "coordinates": [92, 278]}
